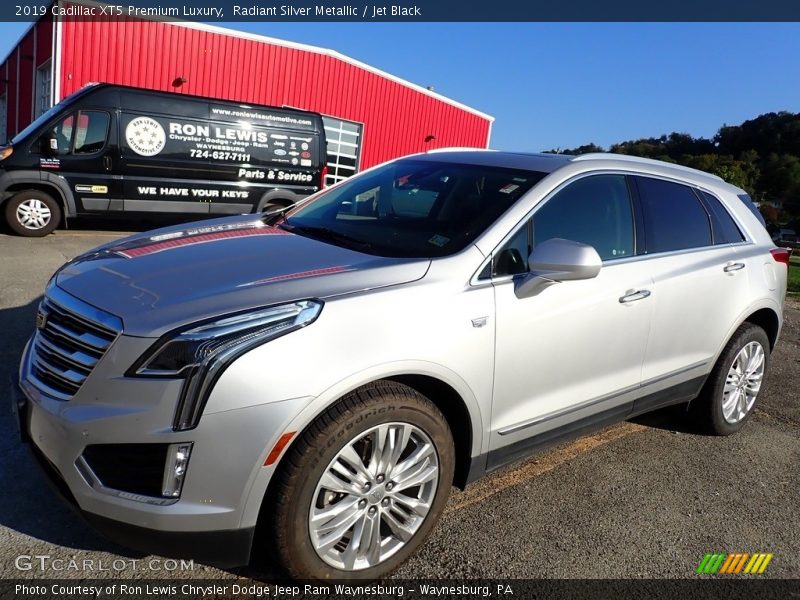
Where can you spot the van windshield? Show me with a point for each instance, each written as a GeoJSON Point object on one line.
{"type": "Point", "coordinates": [46, 116]}
{"type": "Point", "coordinates": [412, 208]}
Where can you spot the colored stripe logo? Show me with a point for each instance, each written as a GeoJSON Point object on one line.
{"type": "Point", "coordinates": [721, 563]}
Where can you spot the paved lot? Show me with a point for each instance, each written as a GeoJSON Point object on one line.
{"type": "Point", "coordinates": [644, 499]}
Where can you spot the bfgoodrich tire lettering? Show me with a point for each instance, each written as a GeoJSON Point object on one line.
{"type": "Point", "coordinates": [370, 490]}
{"type": "Point", "coordinates": [732, 389]}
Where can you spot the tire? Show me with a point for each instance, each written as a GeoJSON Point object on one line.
{"type": "Point", "coordinates": [344, 431]}
{"type": "Point", "coordinates": [32, 213]}
{"type": "Point", "coordinates": [275, 204]}
{"type": "Point", "coordinates": [721, 411]}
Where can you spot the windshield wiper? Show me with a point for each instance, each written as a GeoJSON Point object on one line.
{"type": "Point", "coordinates": [328, 234]}
{"type": "Point", "coordinates": [267, 217]}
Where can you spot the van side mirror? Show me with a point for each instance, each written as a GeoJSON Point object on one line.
{"type": "Point", "coordinates": [558, 260]}
{"type": "Point", "coordinates": [49, 145]}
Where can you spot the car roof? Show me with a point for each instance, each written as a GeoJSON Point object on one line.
{"type": "Point", "coordinates": [548, 163]}
{"type": "Point", "coordinates": [544, 163]}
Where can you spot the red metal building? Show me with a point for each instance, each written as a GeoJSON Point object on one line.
{"type": "Point", "coordinates": [371, 116]}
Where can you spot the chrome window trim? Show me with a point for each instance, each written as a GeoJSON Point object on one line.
{"type": "Point", "coordinates": [476, 281]}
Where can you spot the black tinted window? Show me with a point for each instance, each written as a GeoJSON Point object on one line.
{"type": "Point", "coordinates": [90, 136]}
{"type": "Point", "coordinates": [674, 218]}
{"type": "Point", "coordinates": [593, 210]}
{"type": "Point", "coordinates": [748, 202]}
{"type": "Point", "coordinates": [725, 229]}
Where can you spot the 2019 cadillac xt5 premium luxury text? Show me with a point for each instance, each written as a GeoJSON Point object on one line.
{"type": "Point", "coordinates": [323, 375]}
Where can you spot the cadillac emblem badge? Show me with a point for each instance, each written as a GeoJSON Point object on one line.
{"type": "Point", "coordinates": [41, 319]}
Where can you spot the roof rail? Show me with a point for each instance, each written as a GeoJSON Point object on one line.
{"type": "Point", "coordinates": [459, 149]}
{"type": "Point", "coordinates": [645, 161]}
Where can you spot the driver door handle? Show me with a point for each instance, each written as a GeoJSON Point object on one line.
{"type": "Point", "coordinates": [633, 296]}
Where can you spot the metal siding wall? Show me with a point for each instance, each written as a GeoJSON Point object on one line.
{"type": "Point", "coordinates": [11, 95]}
{"type": "Point", "coordinates": [26, 80]}
{"type": "Point", "coordinates": [152, 54]}
{"type": "Point", "coordinates": [44, 41]}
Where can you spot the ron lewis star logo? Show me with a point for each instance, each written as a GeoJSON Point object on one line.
{"type": "Point", "coordinates": [145, 136]}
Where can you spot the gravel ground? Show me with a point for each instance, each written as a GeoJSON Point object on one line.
{"type": "Point", "coordinates": [643, 499]}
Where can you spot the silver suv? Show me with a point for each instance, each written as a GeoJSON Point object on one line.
{"type": "Point", "coordinates": [316, 380]}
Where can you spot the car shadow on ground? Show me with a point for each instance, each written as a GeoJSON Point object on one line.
{"type": "Point", "coordinates": [675, 418]}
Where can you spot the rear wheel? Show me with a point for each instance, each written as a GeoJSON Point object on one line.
{"type": "Point", "coordinates": [33, 213]}
{"type": "Point", "coordinates": [730, 394]}
{"type": "Point", "coordinates": [364, 486]}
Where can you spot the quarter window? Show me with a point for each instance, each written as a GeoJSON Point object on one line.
{"type": "Point", "coordinates": [725, 229]}
{"type": "Point", "coordinates": [674, 218]}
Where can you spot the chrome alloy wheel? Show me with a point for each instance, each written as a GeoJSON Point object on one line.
{"type": "Point", "coordinates": [33, 214]}
{"type": "Point", "coordinates": [743, 382]}
{"type": "Point", "coordinates": [373, 496]}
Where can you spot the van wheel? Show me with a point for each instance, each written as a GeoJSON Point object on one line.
{"type": "Point", "coordinates": [275, 204]}
{"type": "Point", "coordinates": [32, 213]}
{"type": "Point", "coordinates": [363, 487]}
{"type": "Point", "coordinates": [730, 393]}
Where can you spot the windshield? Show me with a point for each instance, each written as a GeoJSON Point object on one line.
{"type": "Point", "coordinates": [46, 116]}
{"type": "Point", "coordinates": [412, 208]}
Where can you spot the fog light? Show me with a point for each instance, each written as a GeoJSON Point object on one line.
{"type": "Point", "coordinates": [175, 469]}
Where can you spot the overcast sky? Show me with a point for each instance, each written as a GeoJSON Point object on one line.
{"type": "Point", "coordinates": [562, 85]}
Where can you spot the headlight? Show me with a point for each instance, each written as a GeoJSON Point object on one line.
{"type": "Point", "coordinates": [5, 152]}
{"type": "Point", "coordinates": [202, 353]}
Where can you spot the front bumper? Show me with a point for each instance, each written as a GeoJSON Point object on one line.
{"type": "Point", "coordinates": [222, 548]}
{"type": "Point", "coordinates": [213, 520]}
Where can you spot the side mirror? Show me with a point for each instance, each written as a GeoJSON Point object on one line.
{"type": "Point", "coordinates": [49, 145]}
{"type": "Point", "coordinates": [558, 260]}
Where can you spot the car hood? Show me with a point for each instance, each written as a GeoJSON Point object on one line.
{"type": "Point", "coordinates": [168, 278]}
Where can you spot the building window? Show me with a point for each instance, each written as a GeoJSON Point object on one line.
{"type": "Point", "coordinates": [344, 148]}
{"type": "Point", "coordinates": [43, 92]}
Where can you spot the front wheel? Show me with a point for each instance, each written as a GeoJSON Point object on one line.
{"type": "Point", "coordinates": [32, 213]}
{"type": "Point", "coordinates": [363, 487]}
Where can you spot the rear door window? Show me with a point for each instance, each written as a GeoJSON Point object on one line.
{"type": "Point", "coordinates": [674, 217]}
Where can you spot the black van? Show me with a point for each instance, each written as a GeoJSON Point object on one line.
{"type": "Point", "coordinates": [110, 149]}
